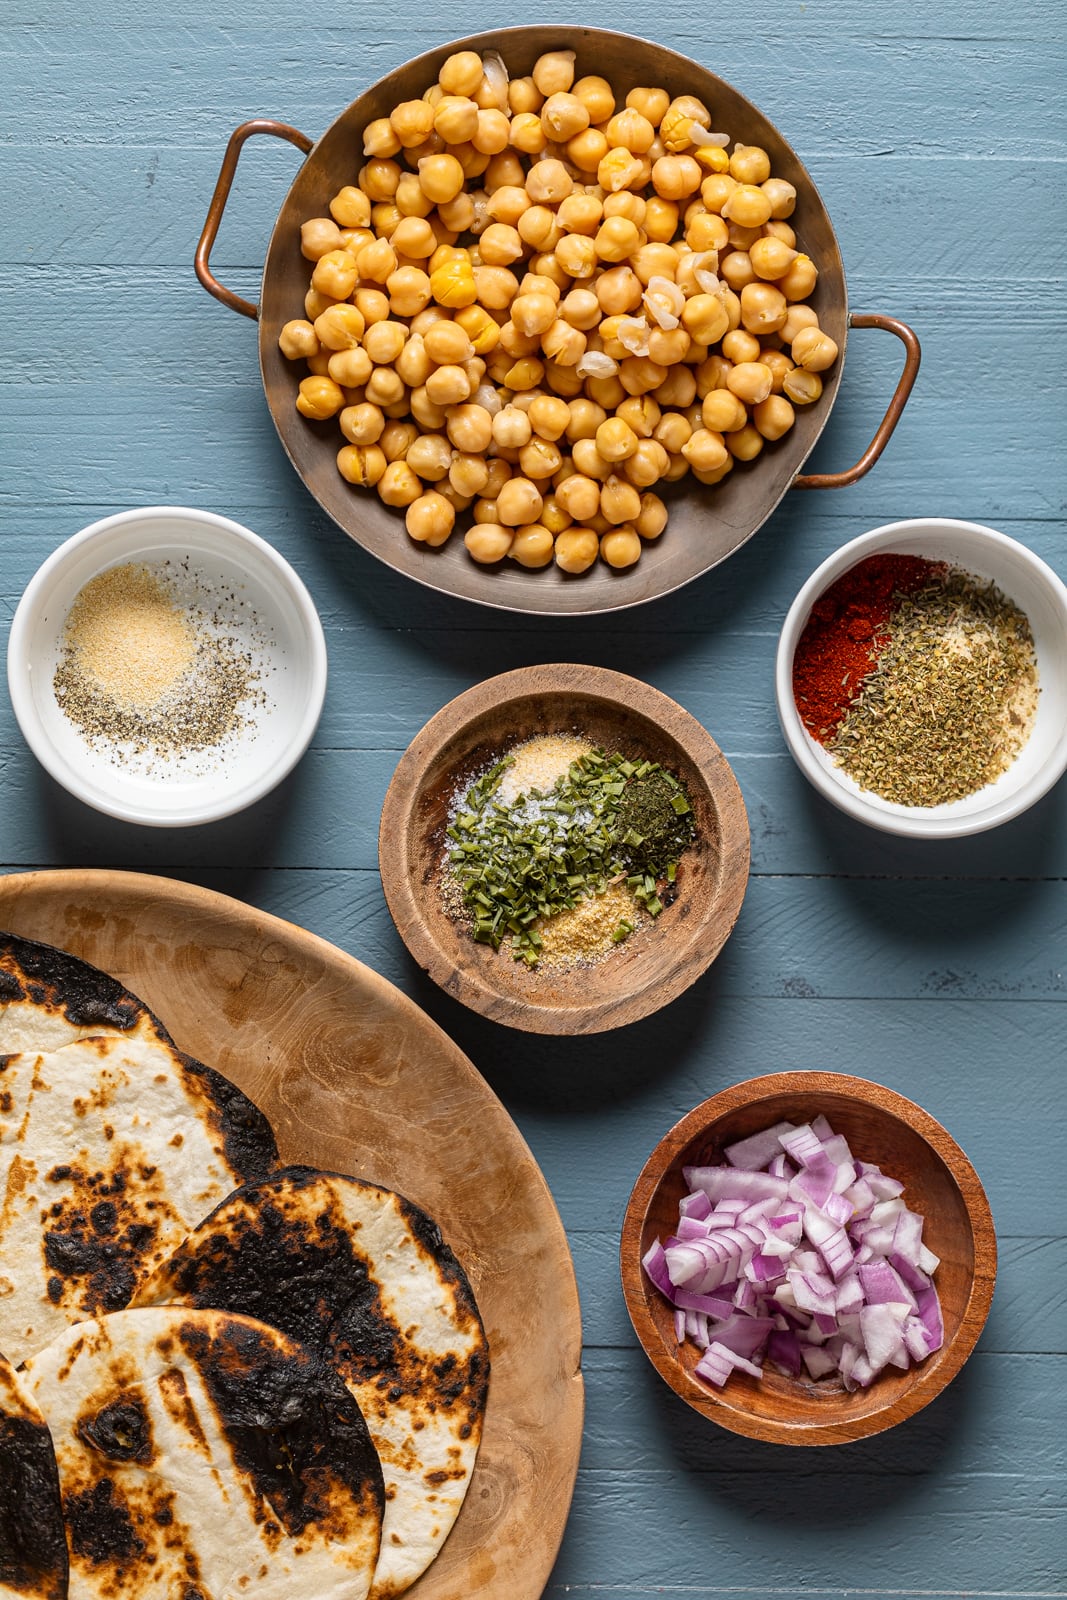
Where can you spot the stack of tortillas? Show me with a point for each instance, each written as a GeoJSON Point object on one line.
{"type": "Point", "coordinates": [219, 1377]}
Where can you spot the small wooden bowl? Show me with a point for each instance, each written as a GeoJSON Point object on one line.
{"type": "Point", "coordinates": [658, 962]}
{"type": "Point", "coordinates": [939, 1183]}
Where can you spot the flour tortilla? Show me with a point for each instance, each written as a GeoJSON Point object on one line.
{"type": "Point", "coordinates": [49, 998]}
{"type": "Point", "coordinates": [33, 1547]}
{"type": "Point", "coordinates": [111, 1149]}
{"type": "Point", "coordinates": [363, 1275]}
{"type": "Point", "coordinates": [206, 1457]}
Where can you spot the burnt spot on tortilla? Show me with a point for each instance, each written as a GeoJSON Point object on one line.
{"type": "Point", "coordinates": [246, 1135]}
{"type": "Point", "coordinates": [121, 1431]}
{"type": "Point", "coordinates": [96, 1256]}
{"type": "Point", "coordinates": [56, 981]}
{"type": "Point", "coordinates": [100, 1527]}
{"type": "Point", "coordinates": [284, 1253]}
{"type": "Point", "coordinates": [33, 1545]}
{"type": "Point", "coordinates": [296, 1434]}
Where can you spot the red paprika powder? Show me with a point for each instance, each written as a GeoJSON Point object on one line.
{"type": "Point", "coordinates": [847, 630]}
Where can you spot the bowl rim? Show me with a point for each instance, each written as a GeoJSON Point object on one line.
{"type": "Point", "coordinates": [465, 711]}
{"type": "Point", "coordinates": [67, 774]}
{"type": "Point", "coordinates": [931, 1377]}
{"type": "Point", "coordinates": [911, 822]}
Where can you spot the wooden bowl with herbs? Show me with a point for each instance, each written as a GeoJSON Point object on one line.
{"type": "Point", "coordinates": [564, 849]}
{"type": "Point", "coordinates": [912, 1273]}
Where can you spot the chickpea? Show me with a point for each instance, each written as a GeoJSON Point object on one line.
{"type": "Point", "coordinates": [540, 459]}
{"type": "Point", "coordinates": [620, 547]}
{"type": "Point", "coordinates": [350, 368]}
{"type": "Point", "coordinates": [488, 541]}
{"type": "Point", "coordinates": [503, 168]}
{"type": "Point", "coordinates": [705, 451]}
{"type": "Point", "coordinates": [746, 443]}
{"type": "Point", "coordinates": [616, 239]}
{"type": "Point", "coordinates": [350, 207]}
{"type": "Point", "coordinates": [363, 466]}
{"type": "Point", "coordinates": [706, 231]}
{"type": "Point", "coordinates": [723, 412]}
{"type": "Point", "coordinates": [629, 130]}
{"type": "Point", "coordinates": [539, 228]}
{"type": "Point", "coordinates": [430, 519]}
{"type": "Point", "coordinates": [675, 176]}
{"type": "Point", "coordinates": [750, 164]}
{"type": "Point", "coordinates": [532, 545]}
{"type": "Point", "coordinates": [748, 206]}
{"type": "Point", "coordinates": [499, 473]}
{"type": "Point", "coordinates": [619, 501]}
{"type": "Point", "coordinates": [414, 238]}
{"type": "Point", "coordinates": [577, 255]}
{"type": "Point", "coordinates": [319, 236]}
{"type": "Point", "coordinates": [716, 191]}
{"type": "Point", "coordinates": [518, 501]}
{"type": "Point", "coordinates": [410, 201]}
{"type": "Point", "coordinates": [588, 460]}
{"type": "Point", "coordinates": [376, 262]}
{"type": "Point", "coordinates": [468, 474]}
{"type": "Point", "coordinates": [412, 122]}
{"type": "Point", "coordinates": [652, 518]}
{"type": "Point", "coordinates": [587, 150]}
{"type": "Point", "coordinates": [319, 398]}
{"type": "Point", "coordinates": [576, 549]}
{"type": "Point", "coordinates": [586, 417]}
{"type": "Point", "coordinates": [470, 428]}
{"type": "Point", "coordinates": [511, 428]}
{"type": "Point", "coordinates": [430, 456]}
{"type": "Point", "coordinates": [397, 438]}
{"type": "Point", "coordinates": [647, 465]}
{"type": "Point", "coordinates": [315, 304]}
{"type": "Point", "coordinates": [524, 96]}
{"type": "Point", "coordinates": [527, 134]}
{"type": "Point", "coordinates": [385, 387]}
{"type": "Point", "coordinates": [581, 309]}
{"type": "Point", "coordinates": [750, 381]}
{"type": "Point", "coordinates": [448, 386]}
{"type": "Point", "coordinates": [705, 318]}
{"type": "Point", "coordinates": [448, 343]}
{"type": "Point", "coordinates": [797, 317]}
{"type": "Point", "coordinates": [801, 386]}
{"type": "Point", "coordinates": [615, 439]}
{"type": "Point", "coordinates": [500, 244]}
{"type": "Point", "coordinates": [298, 340]}
{"type": "Point", "coordinates": [814, 350]}
{"type": "Point", "coordinates": [596, 95]}
{"type": "Point", "coordinates": [774, 416]}
{"type": "Point", "coordinates": [549, 416]}
{"type": "Point", "coordinates": [362, 424]}
{"type": "Point", "coordinates": [579, 496]}
{"type": "Point", "coordinates": [548, 182]}
{"type": "Point", "coordinates": [739, 345]}
{"type": "Point", "coordinates": [618, 291]}
{"type": "Point", "coordinates": [782, 195]}
{"type": "Point", "coordinates": [563, 116]}
{"type": "Point", "coordinates": [553, 516]}
{"type": "Point", "coordinates": [651, 103]}
{"type": "Point", "coordinates": [398, 485]}
{"type": "Point", "coordinates": [799, 281]}
{"type": "Point", "coordinates": [619, 170]}
{"type": "Point", "coordinates": [379, 138]}
{"type": "Point", "coordinates": [533, 313]}
{"type": "Point", "coordinates": [780, 230]}
{"type": "Point", "coordinates": [493, 132]}
{"type": "Point", "coordinates": [455, 118]}
{"type": "Point", "coordinates": [553, 73]}
{"type": "Point", "coordinates": [763, 309]}
{"type": "Point", "coordinates": [779, 364]}
{"type": "Point", "coordinates": [383, 341]}
{"type": "Point", "coordinates": [372, 304]}
{"type": "Point", "coordinates": [673, 431]}
{"type": "Point", "coordinates": [563, 344]}
{"type": "Point", "coordinates": [335, 274]}
{"type": "Point", "coordinates": [668, 346]}
{"type": "Point", "coordinates": [607, 392]}
{"type": "Point", "coordinates": [770, 258]}
{"type": "Point", "coordinates": [508, 203]}
{"type": "Point", "coordinates": [461, 73]}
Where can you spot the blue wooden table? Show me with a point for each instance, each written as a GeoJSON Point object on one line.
{"type": "Point", "coordinates": [935, 135]}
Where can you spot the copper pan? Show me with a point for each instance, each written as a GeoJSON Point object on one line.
{"type": "Point", "coordinates": [706, 524]}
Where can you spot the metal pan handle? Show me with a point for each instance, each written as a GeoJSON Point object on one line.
{"type": "Point", "coordinates": [281, 130]}
{"type": "Point", "coordinates": [884, 432]}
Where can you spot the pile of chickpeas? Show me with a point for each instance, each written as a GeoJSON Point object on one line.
{"type": "Point", "coordinates": [536, 304]}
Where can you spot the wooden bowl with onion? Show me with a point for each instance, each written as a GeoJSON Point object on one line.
{"type": "Point", "coordinates": [882, 1128]}
{"type": "Point", "coordinates": [656, 963]}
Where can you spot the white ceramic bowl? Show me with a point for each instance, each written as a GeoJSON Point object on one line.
{"type": "Point", "coordinates": [1023, 578]}
{"type": "Point", "coordinates": [285, 639]}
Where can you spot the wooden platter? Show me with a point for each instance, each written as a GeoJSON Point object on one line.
{"type": "Point", "coordinates": [355, 1078]}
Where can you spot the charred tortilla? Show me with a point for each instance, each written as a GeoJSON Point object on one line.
{"type": "Point", "coordinates": [207, 1457]}
{"type": "Point", "coordinates": [49, 998]}
{"type": "Point", "coordinates": [362, 1275]}
{"type": "Point", "coordinates": [111, 1149]}
{"type": "Point", "coordinates": [33, 1548]}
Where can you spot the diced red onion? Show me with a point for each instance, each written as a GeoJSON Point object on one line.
{"type": "Point", "coordinates": [816, 1267]}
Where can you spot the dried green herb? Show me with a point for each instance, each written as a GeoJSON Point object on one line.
{"type": "Point", "coordinates": [950, 702]}
{"type": "Point", "coordinates": [546, 851]}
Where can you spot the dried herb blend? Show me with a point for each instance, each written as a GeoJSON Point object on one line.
{"type": "Point", "coordinates": [951, 700]}
{"type": "Point", "coordinates": [547, 852]}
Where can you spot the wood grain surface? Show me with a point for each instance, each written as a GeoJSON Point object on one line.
{"type": "Point", "coordinates": [619, 714]}
{"type": "Point", "coordinates": [355, 1079]}
{"type": "Point", "coordinates": [935, 137]}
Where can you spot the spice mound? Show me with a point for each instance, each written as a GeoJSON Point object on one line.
{"type": "Point", "coordinates": [919, 679]}
{"type": "Point", "coordinates": [155, 666]}
{"type": "Point", "coordinates": [562, 850]}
